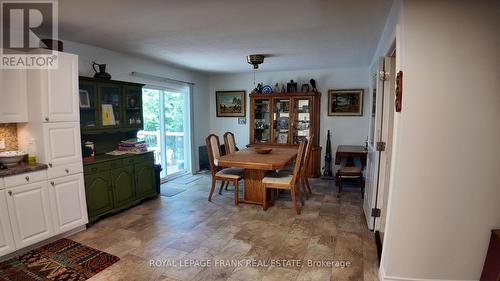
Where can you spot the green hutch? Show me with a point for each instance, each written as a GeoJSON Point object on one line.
{"type": "Point", "coordinates": [113, 183]}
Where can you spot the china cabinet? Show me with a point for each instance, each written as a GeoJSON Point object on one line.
{"type": "Point", "coordinates": [284, 119]}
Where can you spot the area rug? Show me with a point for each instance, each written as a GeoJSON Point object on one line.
{"type": "Point", "coordinates": [185, 179]}
{"type": "Point", "coordinates": [170, 191]}
{"type": "Point", "coordinates": [63, 260]}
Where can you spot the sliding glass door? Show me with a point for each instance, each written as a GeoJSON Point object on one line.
{"type": "Point", "coordinates": [166, 128]}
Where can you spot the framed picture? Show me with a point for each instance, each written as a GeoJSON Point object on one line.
{"type": "Point", "coordinates": [230, 103]}
{"type": "Point", "coordinates": [347, 102]}
{"type": "Point", "coordinates": [84, 99]}
{"type": "Point", "coordinates": [242, 120]}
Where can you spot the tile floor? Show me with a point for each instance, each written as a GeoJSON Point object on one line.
{"type": "Point", "coordinates": [193, 239]}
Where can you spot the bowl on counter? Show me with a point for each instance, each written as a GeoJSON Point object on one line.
{"type": "Point", "coordinates": [11, 158]}
{"type": "Point", "coordinates": [263, 150]}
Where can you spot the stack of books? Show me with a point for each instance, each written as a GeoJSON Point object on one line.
{"type": "Point", "coordinates": [133, 146]}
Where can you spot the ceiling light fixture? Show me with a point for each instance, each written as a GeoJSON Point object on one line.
{"type": "Point", "coordinates": [255, 60]}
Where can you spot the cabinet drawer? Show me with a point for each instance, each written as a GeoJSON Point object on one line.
{"type": "Point", "coordinates": [25, 178]}
{"type": "Point", "coordinates": [64, 170]}
{"type": "Point", "coordinates": [139, 158]}
{"type": "Point", "coordinates": [102, 167]}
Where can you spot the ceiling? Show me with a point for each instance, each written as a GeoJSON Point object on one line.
{"type": "Point", "coordinates": [216, 35]}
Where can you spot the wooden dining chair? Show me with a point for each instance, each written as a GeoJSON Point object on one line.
{"type": "Point", "coordinates": [230, 143]}
{"type": "Point", "coordinates": [350, 172]}
{"type": "Point", "coordinates": [225, 175]}
{"type": "Point", "coordinates": [283, 180]}
{"type": "Point", "coordinates": [304, 173]}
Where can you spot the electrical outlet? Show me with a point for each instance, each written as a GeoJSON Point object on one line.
{"type": "Point", "coordinates": [2, 143]}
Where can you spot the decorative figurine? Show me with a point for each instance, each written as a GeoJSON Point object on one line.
{"type": "Point", "coordinates": [101, 74]}
{"type": "Point", "coordinates": [291, 87]}
{"type": "Point", "coordinates": [313, 85]}
{"type": "Point", "coordinates": [305, 88]}
{"type": "Point", "coordinates": [276, 88]}
{"type": "Point", "coordinates": [283, 90]}
{"type": "Point", "coordinates": [258, 89]}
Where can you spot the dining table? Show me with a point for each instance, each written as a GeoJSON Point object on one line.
{"type": "Point", "coordinates": [256, 166]}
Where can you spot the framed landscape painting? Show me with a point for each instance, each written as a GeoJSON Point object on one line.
{"type": "Point", "coordinates": [347, 102]}
{"type": "Point", "coordinates": [230, 103]}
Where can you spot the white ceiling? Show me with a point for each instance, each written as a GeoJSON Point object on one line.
{"type": "Point", "coordinates": [216, 35]}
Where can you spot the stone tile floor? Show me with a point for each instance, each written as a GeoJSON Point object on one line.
{"type": "Point", "coordinates": [186, 228]}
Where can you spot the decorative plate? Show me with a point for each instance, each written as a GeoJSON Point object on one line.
{"type": "Point", "coordinates": [267, 89]}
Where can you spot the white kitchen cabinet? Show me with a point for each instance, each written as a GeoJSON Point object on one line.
{"type": "Point", "coordinates": [56, 90]}
{"type": "Point", "coordinates": [30, 213]}
{"type": "Point", "coordinates": [68, 200]}
{"type": "Point", "coordinates": [62, 144]}
{"type": "Point", "coordinates": [13, 96]}
{"type": "Point", "coordinates": [6, 239]}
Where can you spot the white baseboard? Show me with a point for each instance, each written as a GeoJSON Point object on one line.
{"type": "Point", "coordinates": [383, 277]}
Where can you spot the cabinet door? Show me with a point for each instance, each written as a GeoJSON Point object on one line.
{"type": "Point", "coordinates": [61, 93]}
{"type": "Point", "coordinates": [6, 239]}
{"type": "Point", "coordinates": [30, 213]}
{"type": "Point", "coordinates": [62, 143]}
{"type": "Point", "coordinates": [88, 105]}
{"type": "Point", "coordinates": [260, 121]}
{"type": "Point", "coordinates": [123, 186]}
{"type": "Point", "coordinates": [144, 179]}
{"type": "Point", "coordinates": [110, 105]}
{"type": "Point", "coordinates": [98, 194]}
{"type": "Point", "coordinates": [302, 119]}
{"type": "Point", "coordinates": [281, 121]}
{"type": "Point", "coordinates": [68, 201]}
{"type": "Point", "coordinates": [13, 96]}
{"type": "Point", "coordinates": [133, 107]}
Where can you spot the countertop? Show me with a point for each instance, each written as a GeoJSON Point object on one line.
{"type": "Point", "coordinates": [22, 168]}
{"type": "Point", "coordinates": [105, 157]}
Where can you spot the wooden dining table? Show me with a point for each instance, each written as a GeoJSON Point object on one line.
{"type": "Point", "coordinates": [256, 167]}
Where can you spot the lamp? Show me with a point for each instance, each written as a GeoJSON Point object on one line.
{"type": "Point", "coordinates": [255, 60]}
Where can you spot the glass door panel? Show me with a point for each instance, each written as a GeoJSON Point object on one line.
{"type": "Point", "coordinates": [133, 113]}
{"type": "Point", "coordinates": [302, 122]}
{"type": "Point", "coordinates": [151, 131]}
{"type": "Point", "coordinates": [281, 121]}
{"type": "Point", "coordinates": [111, 101]}
{"type": "Point", "coordinates": [88, 112]}
{"type": "Point", "coordinates": [261, 120]}
{"type": "Point", "coordinates": [174, 104]}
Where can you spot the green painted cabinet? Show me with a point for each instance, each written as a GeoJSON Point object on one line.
{"type": "Point", "coordinates": [99, 194]}
{"type": "Point", "coordinates": [122, 180]}
{"type": "Point", "coordinates": [144, 180]}
{"type": "Point", "coordinates": [114, 183]}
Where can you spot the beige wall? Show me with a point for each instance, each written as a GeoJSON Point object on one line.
{"type": "Point", "coordinates": [445, 193]}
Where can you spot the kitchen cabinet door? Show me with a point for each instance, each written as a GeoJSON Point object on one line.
{"type": "Point", "coordinates": [13, 96]}
{"type": "Point", "coordinates": [60, 97]}
{"type": "Point", "coordinates": [144, 180]}
{"type": "Point", "coordinates": [68, 201]}
{"type": "Point", "coordinates": [62, 143]}
{"type": "Point", "coordinates": [30, 213]}
{"type": "Point", "coordinates": [99, 194]}
{"type": "Point", "coordinates": [6, 239]}
{"type": "Point", "coordinates": [123, 186]}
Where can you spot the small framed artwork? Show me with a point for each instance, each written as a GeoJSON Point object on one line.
{"type": "Point", "coordinates": [242, 120]}
{"type": "Point", "coordinates": [230, 103]}
{"type": "Point", "coordinates": [347, 102]}
{"type": "Point", "coordinates": [84, 99]}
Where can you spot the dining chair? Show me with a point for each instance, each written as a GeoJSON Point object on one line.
{"type": "Point", "coordinates": [225, 175]}
{"type": "Point", "coordinates": [350, 172]}
{"type": "Point", "coordinates": [304, 173]}
{"type": "Point", "coordinates": [283, 180]}
{"type": "Point", "coordinates": [229, 143]}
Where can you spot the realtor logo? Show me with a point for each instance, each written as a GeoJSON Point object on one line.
{"type": "Point", "coordinates": [24, 24]}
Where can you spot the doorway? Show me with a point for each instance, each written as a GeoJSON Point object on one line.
{"type": "Point", "coordinates": [380, 144]}
{"type": "Point", "coordinates": [167, 128]}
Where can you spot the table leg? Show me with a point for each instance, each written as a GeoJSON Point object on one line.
{"type": "Point", "coordinates": [253, 186]}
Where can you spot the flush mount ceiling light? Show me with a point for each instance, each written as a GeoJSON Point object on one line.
{"type": "Point", "coordinates": [255, 60]}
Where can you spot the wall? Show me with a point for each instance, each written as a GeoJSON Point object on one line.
{"type": "Point", "coordinates": [444, 195]}
{"type": "Point", "coordinates": [344, 130]}
{"type": "Point", "coordinates": [121, 65]}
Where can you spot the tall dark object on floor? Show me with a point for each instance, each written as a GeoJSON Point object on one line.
{"type": "Point", "coordinates": [327, 170]}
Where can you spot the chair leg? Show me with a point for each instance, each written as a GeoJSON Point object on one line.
{"type": "Point", "coordinates": [340, 185]}
{"type": "Point", "coordinates": [292, 191]}
{"type": "Point", "coordinates": [304, 188]}
{"type": "Point", "coordinates": [308, 186]}
{"type": "Point", "coordinates": [212, 189]}
{"type": "Point", "coordinates": [227, 184]}
{"type": "Point", "coordinates": [236, 199]}
{"type": "Point", "coordinates": [264, 195]}
{"type": "Point", "coordinates": [221, 186]}
{"type": "Point", "coordinates": [300, 193]}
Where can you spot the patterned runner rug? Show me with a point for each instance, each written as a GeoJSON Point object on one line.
{"type": "Point", "coordinates": [62, 260]}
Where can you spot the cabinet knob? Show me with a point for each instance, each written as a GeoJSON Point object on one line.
{"type": "Point", "coordinates": [27, 178]}
{"type": "Point", "coordinates": [10, 193]}
{"type": "Point", "coordinates": [67, 171]}
{"type": "Point", "coordinates": [47, 119]}
{"type": "Point", "coordinates": [52, 183]}
{"type": "Point", "coordinates": [50, 165]}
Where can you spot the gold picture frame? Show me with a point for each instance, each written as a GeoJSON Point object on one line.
{"type": "Point", "coordinates": [230, 103]}
{"type": "Point", "coordinates": [345, 102]}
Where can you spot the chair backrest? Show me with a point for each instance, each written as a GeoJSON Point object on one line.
{"type": "Point", "coordinates": [307, 155]}
{"type": "Point", "coordinates": [299, 161]}
{"type": "Point", "coordinates": [213, 147]}
{"type": "Point", "coordinates": [229, 143]}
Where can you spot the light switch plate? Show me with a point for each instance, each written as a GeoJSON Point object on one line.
{"type": "Point", "coordinates": [2, 143]}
